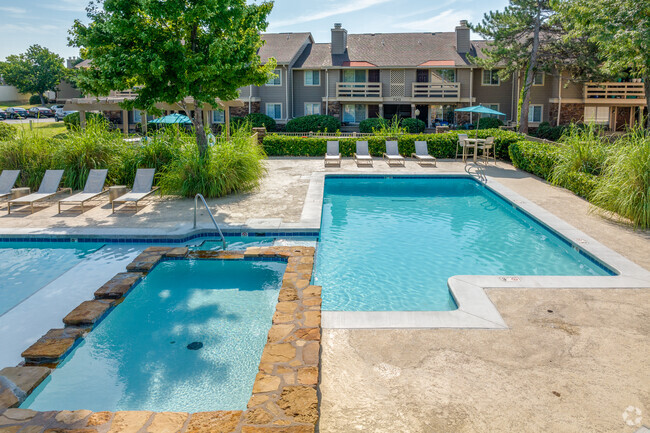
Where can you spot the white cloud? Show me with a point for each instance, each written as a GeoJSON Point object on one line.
{"type": "Point", "coordinates": [68, 5]}
{"type": "Point", "coordinates": [336, 9]}
{"type": "Point", "coordinates": [13, 10]}
{"type": "Point", "coordinates": [443, 22]}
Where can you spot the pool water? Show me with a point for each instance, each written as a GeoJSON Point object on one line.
{"type": "Point", "coordinates": [138, 358]}
{"type": "Point", "coordinates": [391, 244]}
{"type": "Point", "coordinates": [26, 267]}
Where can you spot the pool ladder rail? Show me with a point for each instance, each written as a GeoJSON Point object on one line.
{"type": "Point", "coordinates": [477, 172]}
{"type": "Point", "coordinates": [196, 205]}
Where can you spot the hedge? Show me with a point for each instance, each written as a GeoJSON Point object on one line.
{"type": "Point", "coordinates": [368, 125]}
{"type": "Point", "coordinates": [439, 145]}
{"type": "Point", "coordinates": [489, 123]}
{"type": "Point", "coordinates": [314, 123]}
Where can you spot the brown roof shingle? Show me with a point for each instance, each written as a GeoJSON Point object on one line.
{"type": "Point", "coordinates": [282, 46]}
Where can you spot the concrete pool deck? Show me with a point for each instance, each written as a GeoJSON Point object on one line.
{"type": "Point", "coordinates": [576, 368]}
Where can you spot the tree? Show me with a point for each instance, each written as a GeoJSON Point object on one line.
{"type": "Point", "coordinates": [173, 50]}
{"type": "Point", "coordinates": [36, 71]}
{"type": "Point", "coordinates": [621, 31]}
{"type": "Point", "coordinates": [518, 39]}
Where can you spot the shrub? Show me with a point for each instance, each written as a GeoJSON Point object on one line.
{"type": "Point", "coordinates": [413, 126]}
{"type": "Point", "coordinates": [548, 132]}
{"type": "Point", "coordinates": [314, 123]}
{"type": "Point", "coordinates": [259, 119]}
{"type": "Point", "coordinates": [489, 123]}
{"type": "Point", "coordinates": [36, 100]}
{"type": "Point", "coordinates": [7, 132]}
{"type": "Point", "coordinates": [536, 158]}
{"type": "Point", "coordinates": [31, 154]}
{"type": "Point", "coordinates": [367, 126]}
{"type": "Point", "coordinates": [72, 120]}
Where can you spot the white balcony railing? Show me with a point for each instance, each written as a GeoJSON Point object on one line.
{"type": "Point", "coordinates": [358, 90]}
{"type": "Point", "coordinates": [436, 90]}
{"type": "Point", "coordinates": [615, 93]}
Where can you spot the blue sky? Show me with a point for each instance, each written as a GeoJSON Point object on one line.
{"type": "Point", "coordinates": [46, 22]}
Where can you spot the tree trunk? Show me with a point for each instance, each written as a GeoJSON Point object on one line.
{"type": "Point", "coordinates": [530, 74]}
{"type": "Point", "coordinates": [40, 95]}
{"type": "Point", "coordinates": [199, 130]}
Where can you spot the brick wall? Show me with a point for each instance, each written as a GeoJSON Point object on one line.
{"type": "Point", "coordinates": [334, 109]}
{"type": "Point", "coordinates": [570, 113]}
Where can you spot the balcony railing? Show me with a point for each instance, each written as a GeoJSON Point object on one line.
{"type": "Point", "coordinates": [436, 90]}
{"type": "Point", "coordinates": [615, 93]}
{"type": "Point", "coordinates": [358, 90]}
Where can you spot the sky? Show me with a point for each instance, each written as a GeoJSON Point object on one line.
{"type": "Point", "coordinates": [46, 22]}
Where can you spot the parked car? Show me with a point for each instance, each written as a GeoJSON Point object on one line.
{"type": "Point", "coordinates": [56, 107]}
{"type": "Point", "coordinates": [3, 114]}
{"type": "Point", "coordinates": [40, 112]}
{"type": "Point", "coordinates": [60, 114]}
{"type": "Point", "coordinates": [16, 113]}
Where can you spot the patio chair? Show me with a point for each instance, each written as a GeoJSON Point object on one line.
{"type": "Point", "coordinates": [487, 150]}
{"type": "Point", "coordinates": [362, 156]}
{"type": "Point", "coordinates": [49, 187]}
{"type": "Point", "coordinates": [392, 155]}
{"type": "Point", "coordinates": [333, 156]}
{"type": "Point", "coordinates": [142, 188]}
{"type": "Point", "coordinates": [461, 146]}
{"type": "Point", "coordinates": [422, 154]}
{"type": "Point", "coordinates": [94, 188]}
{"type": "Point", "coordinates": [7, 182]}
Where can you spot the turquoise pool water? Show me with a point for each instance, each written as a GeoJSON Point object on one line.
{"type": "Point", "coordinates": [137, 358]}
{"type": "Point", "coordinates": [26, 267]}
{"type": "Point", "coordinates": [390, 244]}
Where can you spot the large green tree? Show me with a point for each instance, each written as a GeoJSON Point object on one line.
{"type": "Point", "coordinates": [173, 50]}
{"type": "Point", "coordinates": [519, 37]}
{"type": "Point", "coordinates": [36, 71]}
{"type": "Point", "coordinates": [619, 28]}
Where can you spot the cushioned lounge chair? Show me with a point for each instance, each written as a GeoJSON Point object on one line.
{"type": "Point", "coordinates": [333, 156]}
{"type": "Point", "coordinates": [49, 187]}
{"type": "Point", "coordinates": [392, 155]}
{"type": "Point", "coordinates": [421, 154]}
{"type": "Point", "coordinates": [94, 188]}
{"type": "Point", "coordinates": [7, 182]}
{"type": "Point", "coordinates": [142, 188]}
{"type": "Point", "coordinates": [362, 156]}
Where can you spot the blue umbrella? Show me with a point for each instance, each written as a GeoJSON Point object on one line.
{"type": "Point", "coordinates": [481, 110]}
{"type": "Point", "coordinates": [173, 118]}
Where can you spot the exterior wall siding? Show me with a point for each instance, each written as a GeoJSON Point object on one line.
{"type": "Point", "coordinates": [275, 94]}
{"type": "Point", "coordinates": [501, 94]}
{"type": "Point", "coordinates": [303, 94]}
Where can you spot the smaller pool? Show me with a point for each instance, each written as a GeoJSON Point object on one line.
{"type": "Point", "coordinates": [188, 338]}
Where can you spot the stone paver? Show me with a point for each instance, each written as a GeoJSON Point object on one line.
{"type": "Point", "coordinates": [214, 422]}
{"type": "Point", "coordinates": [129, 422]}
{"type": "Point", "coordinates": [118, 286]}
{"type": "Point", "coordinates": [87, 313]}
{"type": "Point", "coordinates": [167, 422]}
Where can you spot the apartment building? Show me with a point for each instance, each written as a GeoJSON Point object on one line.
{"type": "Point", "coordinates": [423, 75]}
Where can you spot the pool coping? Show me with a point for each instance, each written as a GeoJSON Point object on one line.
{"type": "Point", "coordinates": [285, 390]}
{"type": "Point", "coordinates": [475, 309]}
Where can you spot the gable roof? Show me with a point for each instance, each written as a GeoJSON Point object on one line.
{"type": "Point", "coordinates": [284, 47]}
{"type": "Point", "coordinates": [391, 50]}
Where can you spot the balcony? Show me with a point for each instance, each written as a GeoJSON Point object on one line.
{"type": "Point", "coordinates": [448, 91]}
{"type": "Point", "coordinates": [358, 90]}
{"type": "Point", "coordinates": [615, 93]}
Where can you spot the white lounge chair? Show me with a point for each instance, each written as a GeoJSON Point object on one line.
{"type": "Point", "coordinates": [392, 155]}
{"type": "Point", "coordinates": [362, 156]}
{"type": "Point", "coordinates": [333, 156]}
{"type": "Point", "coordinates": [49, 187]}
{"type": "Point", "coordinates": [94, 188]}
{"type": "Point", "coordinates": [142, 188]}
{"type": "Point", "coordinates": [422, 154]}
{"type": "Point", "coordinates": [462, 142]}
{"type": "Point", "coordinates": [487, 150]}
{"type": "Point", "coordinates": [7, 182]}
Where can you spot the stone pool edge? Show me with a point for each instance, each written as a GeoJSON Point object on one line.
{"type": "Point", "coordinates": [285, 391]}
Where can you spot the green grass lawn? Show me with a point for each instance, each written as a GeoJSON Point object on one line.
{"type": "Point", "coordinates": [26, 105]}
{"type": "Point", "coordinates": [49, 129]}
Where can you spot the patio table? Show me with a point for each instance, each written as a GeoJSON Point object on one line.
{"type": "Point", "coordinates": [475, 142]}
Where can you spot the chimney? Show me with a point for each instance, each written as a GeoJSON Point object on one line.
{"type": "Point", "coordinates": [462, 38]}
{"type": "Point", "coordinates": [339, 39]}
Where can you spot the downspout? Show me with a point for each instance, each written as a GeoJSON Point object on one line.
{"type": "Point", "coordinates": [327, 92]}
{"type": "Point", "coordinates": [250, 97]}
{"type": "Point", "coordinates": [287, 88]}
{"type": "Point", "coordinates": [471, 91]}
{"type": "Point", "coordinates": [559, 100]}
{"type": "Point", "coordinates": [513, 114]}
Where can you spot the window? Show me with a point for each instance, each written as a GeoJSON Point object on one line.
{"type": "Point", "coordinates": [312, 108]}
{"type": "Point", "coordinates": [274, 111]}
{"type": "Point", "coordinates": [490, 78]}
{"type": "Point", "coordinates": [493, 107]}
{"type": "Point", "coordinates": [538, 79]}
{"type": "Point", "coordinates": [137, 116]}
{"type": "Point", "coordinates": [277, 81]}
{"type": "Point", "coordinates": [354, 113]}
{"type": "Point", "coordinates": [354, 76]}
{"type": "Point", "coordinates": [443, 76]}
{"type": "Point", "coordinates": [535, 113]}
{"type": "Point", "coordinates": [312, 78]}
{"type": "Point", "coordinates": [218, 116]}
{"type": "Point", "coordinates": [599, 115]}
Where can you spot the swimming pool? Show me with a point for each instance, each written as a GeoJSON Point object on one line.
{"type": "Point", "coordinates": [26, 267]}
{"type": "Point", "coordinates": [189, 337]}
{"type": "Point", "coordinates": [391, 243]}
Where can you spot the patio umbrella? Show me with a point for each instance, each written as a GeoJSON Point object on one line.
{"type": "Point", "coordinates": [480, 110]}
{"type": "Point", "coordinates": [173, 118]}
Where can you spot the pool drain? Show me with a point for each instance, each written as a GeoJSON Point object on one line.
{"type": "Point", "coordinates": [196, 345]}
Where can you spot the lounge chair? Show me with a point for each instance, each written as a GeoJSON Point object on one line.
{"type": "Point", "coordinates": [362, 156]}
{"type": "Point", "coordinates": [94, 188]}
{"type": "Point", "coordinates": [487, 150]}
{"type": "Point", "coordinates": [392, 155]}
{"type": "Point", "coordinates": [333, 156]}
{"type": "Point", "coordinates": [7, 182]}
{"type": "Point", "coordinates": [142, 188]}
{"type": "Point", "coordinates": [49, 187]}
{"type": "Point", "coordinates": [461, 146]}
{"type": "Point", "coordinates": [422, 154]}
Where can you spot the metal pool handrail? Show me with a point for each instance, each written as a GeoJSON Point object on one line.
{"type": "Point", "coordinates": [196, 203]}
{"type": "Point", "coordinates": [479, 173]}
